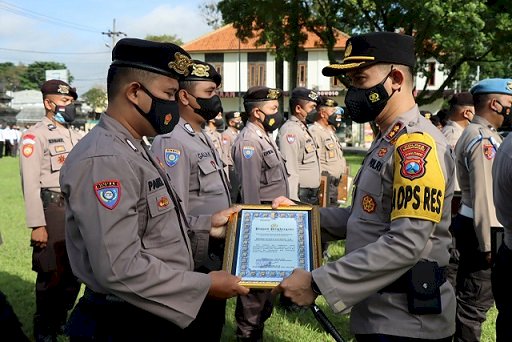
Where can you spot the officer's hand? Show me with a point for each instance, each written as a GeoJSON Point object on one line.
{"type": "Point", "coordinates": [488, 258]}
{"type": "Point", "coordinates": [219, 220]}
{"type": "Point", "coordinates": [39, 237]}
{"type": "Point", "coordinates": [225, 285]}
{"type": "Point", "coordinates": [281, 201]}
{"type": "Point", "coordinates": [297, 287]}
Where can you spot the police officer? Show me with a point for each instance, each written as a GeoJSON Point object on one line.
{"type": "Point", "coordinates": [211, 128]}
{"type": "Point", "coordinates": [234, 126]}
{"type": "Point", "coordinates": [323, 130]}
{"type": "Point", "coordinates": [460, 114]}
{"type": "Point", "coordinates": [475, 153]}
{"type": "Point", "coordinates": [502, 187]}
{"type": "Point", "coordinates": [261, 172]}
{"type": "Point", "coordinates": [397, 228]}
{"type": "Point", "coordinates": [299, 149]}
{"type": "Point", "coordinates": [125, 226]}
{"type": "Point", "coordinates": [44, 149]}
{"type": "Point", "coordinates": [193, 164]}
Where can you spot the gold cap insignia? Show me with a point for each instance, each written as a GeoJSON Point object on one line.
{"type": "Point", "coordinates": [374, 97]}
{"type": "Point", "coordinates": [329, 103]}
{"type": "Point", "coordinates": [180, 64]}
{"type": "Point", "coordinates": [428, 116]}
{"type": "Point", "coordinates": [236, 114]}
{"type": "Point", "coordinates": [273, 94]}
{"type": "Point", "coordinates": [313, 96]}
{"type": "Point", "coordinates": [200, 70]}
{"type": "Point", "coordinates": [348, 50]}
{"type": "Point", "coordinates": [63, 89]}
{"type": "Point", "coordinates": [509, 85]}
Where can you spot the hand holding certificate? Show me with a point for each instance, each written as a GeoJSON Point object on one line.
{"type": "Point", "coordinates": [265, 245]}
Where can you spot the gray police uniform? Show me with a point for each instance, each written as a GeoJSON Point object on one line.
{"type": "Point", "coordinates": [399, 217]}
{"type": "Point", "coordinates": [228, 139]}
{"type": "Point", "coordinates": [44, 148]}
{"type": "Point", "coordinates": [300, 152]}
{"type": "Point", "coordinates": [126, 231]}
{"type": "Point", "coordinates": [452, 131]}
{"type": "Point", "coordinates": [216, 139]}
{"type": "Point", "coordinates": [502, 185]}
{"type": "Point", "coordinates": [475, 153]}
{"type": "Point", "coordinates": [261, 172]}
{"type": "Point", "coordinates": [331, 157]}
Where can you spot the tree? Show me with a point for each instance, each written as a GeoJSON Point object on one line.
{"type": "Point", "coordinates": [35, 74]}
{"type": "Point", "coordinates": [165, 38]}
{"type": "Point", "coordinates": [10, 75]}
{"type": "Point", "coordinates": [211, 14]}
{"type": "Point", "coordinates": [96, 97]}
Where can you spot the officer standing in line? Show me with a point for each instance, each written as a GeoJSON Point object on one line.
{"type": "Point", "coordinates": [299, 149]}
{"type": "Point", "coordinates": [234, 126]}
{"type": "Point", "coordinates": [391, 276]}
{"type": "Point", "coordinates": [211, 128]}
{"type": "Point", "coordinates": [323, 130]}
{"type": "Point", "coordinates": [193, 164]}
{"type": "Point", "coordinates": [44, 149]}
{"type": "Point", "coordinates": [475, 153]}
{"type": "Point", "coordinates": [126, 230]}
{"type": "Point", "coordinates": [262, 174]}
{"type": "Point", "coordinates": [460, 114]}
{"type": "Point", "coordinates": [502, 188]}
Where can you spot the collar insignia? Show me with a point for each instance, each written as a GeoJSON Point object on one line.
{"type": "Point", "coordinates": [189, 128]}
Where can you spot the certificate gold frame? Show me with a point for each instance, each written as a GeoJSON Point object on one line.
{"type": "Point", "coordinates": [264, 245]}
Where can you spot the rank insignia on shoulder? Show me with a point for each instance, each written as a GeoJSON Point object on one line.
{"type": "Point", "coordinates": [489, 151]}
{"type": "Point", "coordinates": [248, 152]}
{"type": "Point", "coordinates": [290, 138]}
{"type": "Point", "coordinates": [369, 204]}
{"type": "Point", "coordinates": [108, 193]}
{"type": "Point", "coordinates": [397, 127]}
{"type": "Point", "coordinates": [171, 156]}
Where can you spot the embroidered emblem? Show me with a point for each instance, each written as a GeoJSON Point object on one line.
{"type": "Point", "coordinates": [369, 204]}
{"type": "Point", "coordinates": [394, 131]}
{"type": "Point", "coordinates": [108, 193]}
{"type": "Point", "coordinates": [200, 70]}
{"type": "Point", "coordinates": [28, 139]}
{"type": "Point", "coordinates": [171, 156]}
{"type": "Point", "coordinates": [290, 138]}
{"type": "Point", "coordinates": [413, 155]}
{"type": "Point", "coordinates": [248, 151]}
{"type": "Point", "coordinates": [27, 149]}
{"type": "Point", "coordinates": [167, 119]}
{"type": "Point", "coordinates": [489, 151]}
{"type": "Point", "coordinates": [61, 159]}
{"type": "Point", "coordinates": [60, 148]}
{"type": "Point", "coordinates": [163, 202]}
{"type": "Point", "coordinates": [348, 50]}
{"type": "Point", "coordinates": [271, 122]}
{"type": "Point", "coordinates": [63, 89]}
{"type": "Point", "coordinates": [273, 94]}
{"type": "Point", "coordinates": [382, 152]}
{"type": "Point", "coordinates": [374, 97]}
{"type": "Point", "coordinates": [180, 64]}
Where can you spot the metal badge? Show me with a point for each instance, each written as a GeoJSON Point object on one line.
{"type": "Point", "coordinates": [313, 96]}
{"type": "Point", "coordinates": [180, 64]}
{"type": "Point", "coordinates": [273, 94]}
{"type": "Point", "coordinates": [63, 89]}
{"type": "Point", "coordinates": [348, 50]}
{"type": "Point", "coordinates": [200, 70]}
{"type": "Point", "coordinates": [189, 128]}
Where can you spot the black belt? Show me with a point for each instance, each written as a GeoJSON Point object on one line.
{"type": "Point", "coordinates": [102, 298]}
{"type": "Point", "coordinates": [49, 196]}
{"type": "Point", "coordinates": [310, 192]}
{"type": "Point", "coordinates": [400, 285]}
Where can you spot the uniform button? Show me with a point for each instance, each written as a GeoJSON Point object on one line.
{"type": "Point", "coordinates": [425, 286]}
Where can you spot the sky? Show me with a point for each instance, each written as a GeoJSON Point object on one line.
{"type": "Point", "coordinates": [70, 32]}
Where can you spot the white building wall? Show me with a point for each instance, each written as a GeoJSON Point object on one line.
{"type": "Point", "coordinates": [317, 60]}
{"type": "Point", "coordinates": [270, 66]}
{"type": "Point", "coordinates": [438, 78]}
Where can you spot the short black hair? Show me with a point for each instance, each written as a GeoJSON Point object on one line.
{"type": "Point", "coordinates": [293, 102]}
{"type": "Point", "coordinates": [249, 106]}
{"type": "Point", "coordinates": [118, 75]}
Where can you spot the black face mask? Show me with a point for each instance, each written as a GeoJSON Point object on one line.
{"type": "Point", "coordinates": [163, 114]}
{"type": "Point", "coordinates": [239, 125]}
{"type": "Point", "coordinates": [364, 105]}
{"type": "Point", "coordinates": [210, 107]}
{"type": "Point", "coordinates": [219, 123]}
{"type": "Point", "coordinates": [311, 116]}
{"type": "Point", "coordinates": [65, 114]}
{"type": "Point", "coordinates": [335, 120]}
{"type": "Point", "coordinates": [505, 111]}
{"type": "Point", "coordinates": [271, 121]}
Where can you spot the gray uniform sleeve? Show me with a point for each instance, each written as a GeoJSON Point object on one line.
{"type": "Point", "coordinates": [116, 254]}
{"type": "Point", "coordinates": [248, 170]}
{"type": "Point", "coordinates": [333, 222]}
{"type": "Point", "coordinates": [290, 147]}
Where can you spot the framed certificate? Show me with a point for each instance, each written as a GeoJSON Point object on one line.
{"type": "Point", "coordinates": [263, 246]}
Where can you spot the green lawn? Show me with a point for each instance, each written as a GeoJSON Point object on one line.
{"type": "Point", "coordinates": [17, 279]}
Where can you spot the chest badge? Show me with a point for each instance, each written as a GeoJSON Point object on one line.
{"type": "Point", "coordinates": [171, 156]}
{"type": "Point", "coordinates": [108, 193]}
{"type": "Point", "coordinates": [368, 203]}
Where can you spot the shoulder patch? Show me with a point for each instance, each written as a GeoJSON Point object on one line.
{"type": "Point", "coordinates": [248, 151]}
{"type": "Point", "coordinates": [418, 180]}
{"type": "Point", "coordinates": [108, 193]}
{"type": "Point", "coordinates": [28, 141]}
{"type": "Point", "coordinates": [489, 151]}
{"type": "Point", "coordinates": [290, 138]}
{"type": "Point", "coordinates": [171, 156]}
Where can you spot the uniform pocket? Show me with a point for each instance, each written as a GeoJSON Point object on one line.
{"type": "Point", "coordinates": [58, 154]}
{"type": "Point", "coordinates": [209, 179]}
{"type": "Point", "coordinates": [159, 232]}
{"type": "Point", "coordinates": [272, 171]}
{"type": "Point", "coordinates": [330, 150]}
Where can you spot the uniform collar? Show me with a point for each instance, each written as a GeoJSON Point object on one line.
{"type": "Point", "coordinates": [52, 126]}
{"type": "Point", "coordinates": [252, 127]}
{"type": "Point", "coordinates": [186, 126]}
{"type": "Point", "coordinates": [477, 119]}
{"type": "Point", "coordinates": [321, 126]}
{"type": "Point", "coordinates": [405, 120]}
{"type": "Point", "coordinates": [112, 125]}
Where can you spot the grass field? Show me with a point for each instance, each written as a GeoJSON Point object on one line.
{"type": "Point", "coordinates": [17, 279]}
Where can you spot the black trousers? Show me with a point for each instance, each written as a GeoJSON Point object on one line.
{"type": "Point", "coordinates": [503, 293]}
{"type": "Point", "coordinates": [100, 319]}
{"type": "Point", "coordinates": [390, 338]}
{"type": "Point", "coordinates": [309, 195]}
{"type": "Point", "coordinates": [10, 326]}
{"type": "Point", "coordinates": [251, 313]}
{"type": "Point", "coordinates": [56, 286]}
{"type": "Point", "coordinates": [235, 185]}
{"type": "Point", "coordinates": [474, 293]}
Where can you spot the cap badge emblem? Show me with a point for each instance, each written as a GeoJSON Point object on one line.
{"type": "Point", "coordinates": [180, 64]}
{"type": "Point", "coordinates": [200, 70]}
{"type": "Point", "coordinates": [329, 103]}
{"type": "Point", "coordinates": [313, 96]}
{"type": "Point", "coordinates": [509, 85]}
{"type": "Point", "coordinates": [273, 94]}
{"type": "Point", "coordinates": [63, 89]}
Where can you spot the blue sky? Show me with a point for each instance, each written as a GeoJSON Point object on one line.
{"type": "Point", "coordinates": [70, 31]}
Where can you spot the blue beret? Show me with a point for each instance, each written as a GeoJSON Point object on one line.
{"type": "Point", "coordinates": [493, 86]}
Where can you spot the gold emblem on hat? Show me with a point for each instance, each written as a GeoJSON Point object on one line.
{"type": "Point", "coordinates": [348, 49]}
{"type": "Point", "coordinates": [329, 103]}
{"type": "Point", "coordinates": [273, 94]}
{"type": "Point", "coordinates": [63, 89]}
{"type": "Point", "coordinates": [313, 96]}
{"type": "Point", "coordinates": [180, 64]}
{"type": "Point", "coordinates": [374, 97]}
{"type": "Point", "coordinates": [509, 85]}
{"type": "Point", "coordinates": [200, 70]}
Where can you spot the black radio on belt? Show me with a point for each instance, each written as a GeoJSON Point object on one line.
{"type": "Point", "coordinates": [48, 197]}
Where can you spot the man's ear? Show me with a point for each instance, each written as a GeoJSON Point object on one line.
{"type": "Point", "coordinates": [132, 92]}
{"type": "Point", "coordinates": [183, 97]}
{"type": "Point", "coordinates": [47, 104]}
{"type": "Point", "coordinates": [397, 79]}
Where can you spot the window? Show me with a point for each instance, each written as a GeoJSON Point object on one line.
{"type": "Point", "coordinates": [218, 67]}
{"type": "Point", "coordinates": [432, 73]}
{"type": "Point", "coordinates": [336, 83]}
{"type": "Point", "coordinates": [256, 75]}
{"type": "Point", "coordinates": [302, 74]}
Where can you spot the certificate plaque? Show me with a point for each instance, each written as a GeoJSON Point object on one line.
{"type": "Point", "coordinates": [264, 245]}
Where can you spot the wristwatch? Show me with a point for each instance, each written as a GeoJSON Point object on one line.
{"type": "Point", "coordinates": [314, 287]}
